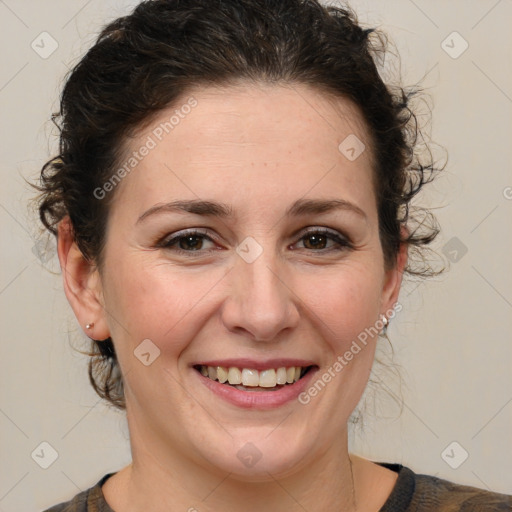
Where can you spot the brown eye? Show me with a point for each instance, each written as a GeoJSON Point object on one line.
{"type": "Point", "coordinates": [192, 242]}
{"type": "Point", "coordinates": [186, 242]}
{"type": "Point", "coordinates": [315, 241]}
{"type": "Point", "coordinates": [318, 240]}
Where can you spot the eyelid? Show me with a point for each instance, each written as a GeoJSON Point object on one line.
{"type": "Point", "coordinates": [320, 229]}
{"type": "Point", "coordinates": [167, 239]}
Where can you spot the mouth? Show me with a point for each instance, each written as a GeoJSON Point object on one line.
{"type": "Point", "coordinates": [252, 380]}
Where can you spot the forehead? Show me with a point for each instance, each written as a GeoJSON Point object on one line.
{"type": "Point", "coordinates": [270, 140]}
{"type": "Point", "coordinates": [279, 117]}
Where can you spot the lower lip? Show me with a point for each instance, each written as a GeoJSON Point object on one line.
{"type": "Point", "coordinates": [258, 399]}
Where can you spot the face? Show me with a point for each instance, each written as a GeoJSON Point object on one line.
{"type": "Point", "coordinates": [271, 260]}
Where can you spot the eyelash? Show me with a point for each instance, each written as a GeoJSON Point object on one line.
{"type": "Point", "coordinates": [167, 243]}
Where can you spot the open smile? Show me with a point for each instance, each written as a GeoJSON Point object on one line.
{"type": "Point", "coordinates": [250, 379]}
{"type": "Point", "coordinates": [248, 387]}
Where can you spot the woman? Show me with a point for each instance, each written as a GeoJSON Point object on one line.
{"type": "Point", "coordinates": [231, 203]}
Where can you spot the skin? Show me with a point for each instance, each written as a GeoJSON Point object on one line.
{"type": "Point", "coordinates": [258, 149]}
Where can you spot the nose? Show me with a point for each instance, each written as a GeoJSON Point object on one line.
{"type": "Point", "coordinates": [261, 301]}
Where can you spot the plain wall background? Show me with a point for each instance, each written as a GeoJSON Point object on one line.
{"type": "Point", "coordinates": [452, 339]}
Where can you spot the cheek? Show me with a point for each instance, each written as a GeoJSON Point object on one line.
{"type": "Point", "coordinates": [156, 301]}
{"type": "Point", "coordinates": [344, 302]}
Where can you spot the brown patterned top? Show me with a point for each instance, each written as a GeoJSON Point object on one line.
{"type": "Point", "coordinates": [411, 493]}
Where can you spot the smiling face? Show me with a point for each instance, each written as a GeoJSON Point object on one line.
{"type": "Point", "coordinates": [286, 271]}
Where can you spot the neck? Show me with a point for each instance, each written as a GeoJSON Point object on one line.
{"type": "Point", "coordinates": [161, 480]}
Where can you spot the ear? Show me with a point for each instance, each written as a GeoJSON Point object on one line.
{"type": "Point", "coordinates": [82, 283]}
{"type": "Point", "coordinates": [393, 277]}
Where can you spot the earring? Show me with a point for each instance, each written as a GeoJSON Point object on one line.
{"type": "Point", "coordinates": [385, 321]}
{"type": "Point", "coordinates": [89, 326]}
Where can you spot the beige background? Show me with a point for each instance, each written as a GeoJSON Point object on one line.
{"type": "Point", "coordinates": [452, 340]}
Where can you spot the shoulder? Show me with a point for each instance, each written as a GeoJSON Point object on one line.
{"type": "Point", "coordinates": [432, 493]}
{"type": "Point", "coordinates": [424, 493]}
{"type": "Point", "coordinates": [90, 500]}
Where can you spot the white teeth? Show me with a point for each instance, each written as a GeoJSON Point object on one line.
{"type": "Point", "coordinates": [222, 374]}
{"type": "Point", "coordinates": [281, 376]}
{"type": "Point", "coordinates": [268, 378]}
{"type": "Point", "coordinates": [249, 377]}
{"type": "Point", "coordinates": [234, 376]}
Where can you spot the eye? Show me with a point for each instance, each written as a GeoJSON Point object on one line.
{"type": "Point", "coordinates": [186, 241]}
{"type": "Point", "coordinates": [317, 239]}
{"type": "Point", "coordinates": [193, 241]}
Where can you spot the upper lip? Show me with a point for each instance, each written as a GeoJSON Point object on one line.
{"type": "Point", "coordinates": [257, 365]}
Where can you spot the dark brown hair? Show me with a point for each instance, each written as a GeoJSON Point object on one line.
{"type": "Point", "coordinates": [144, 62]}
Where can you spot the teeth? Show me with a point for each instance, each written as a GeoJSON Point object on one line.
{"type": "Point", "coordinates": [250, 377]}
{"type": "Point", "coordinates": [222, 374]}
{"type": "Point", "coordinates": [281, 376]}
{"type": "Point", "coordinates": [234, 376]}
{"type": "Point", "coordinates": [253, 378]}
{"type": "Point", "coordinates": [268, 378]}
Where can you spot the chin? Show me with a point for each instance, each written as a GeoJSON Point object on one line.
{"type": "Point", "coordinates": [265, 458]}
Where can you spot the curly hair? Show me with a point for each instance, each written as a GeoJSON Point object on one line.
{"type": "Point", "coordinates": [144, 62]}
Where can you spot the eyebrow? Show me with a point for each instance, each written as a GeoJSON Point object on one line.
{"type": "Point", "coordinates": [214, 209]}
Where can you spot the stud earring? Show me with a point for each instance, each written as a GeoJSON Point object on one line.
{"type": "Point", "coordinates": [89, 326]}
{"type": "Point", "coordinates": [385, 321]}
